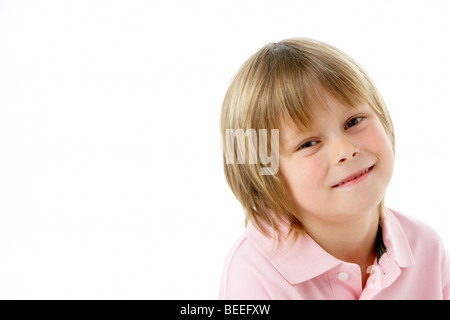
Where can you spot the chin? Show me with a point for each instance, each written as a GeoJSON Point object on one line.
{"type": "Point", "coordinates": [361, 205]}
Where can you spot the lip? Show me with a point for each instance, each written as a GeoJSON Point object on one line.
{"type": "Point", "coordinates": [354, 178]}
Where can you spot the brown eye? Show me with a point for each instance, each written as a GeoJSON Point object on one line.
{"type": "Point", "coordinates": [353, 122]}
{"type": "Point", "coordinates": [308, 144]}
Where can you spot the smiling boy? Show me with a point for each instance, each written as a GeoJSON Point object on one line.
{"type": "Point", "coordinates": [318, 228]}
{"type": "Point", "coordinates": [337, 173]}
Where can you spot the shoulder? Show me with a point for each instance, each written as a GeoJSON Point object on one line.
{"type": "Point", "coordinates": [417, 231]}
{"type": "Point", "coordinates": [427, 247]}
{"type": "Point", "coordinates": [242, 276]}
{"type": "Point", "coordinates": [424, 242]}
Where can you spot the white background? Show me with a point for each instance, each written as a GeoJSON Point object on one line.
{"type": "Point", "coordinates": [111, 179]}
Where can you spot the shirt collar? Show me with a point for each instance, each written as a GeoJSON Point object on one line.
{"type": "Point", "coordinates": [297, 262]}
{"type": "Point", "coordinates": [395, 240]}
{"type": "Point", "coordinates": [305, 259]}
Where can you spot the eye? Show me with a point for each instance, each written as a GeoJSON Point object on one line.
{"type": "Point", "coordinates": [354, 121]}
{"type": "Point", "coordinates": [308, 144]}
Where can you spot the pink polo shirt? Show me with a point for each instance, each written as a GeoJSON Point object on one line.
{"type": "Point", "coordinates": [414, 266]}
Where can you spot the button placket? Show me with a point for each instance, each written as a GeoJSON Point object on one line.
{"type": "Point", "coordinates": [345, 281]}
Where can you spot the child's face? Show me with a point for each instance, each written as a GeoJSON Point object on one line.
{"type": "Point", "coordinates": [319, 164]}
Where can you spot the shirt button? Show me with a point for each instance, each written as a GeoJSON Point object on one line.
{"type": "Point", "coordinates": [343, 276]}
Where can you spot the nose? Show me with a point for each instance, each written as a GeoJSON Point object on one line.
{"type": "Point", "coordinates": [345, 150]}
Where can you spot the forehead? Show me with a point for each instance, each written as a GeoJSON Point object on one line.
{"type": "Point", "coordinates": [319, 106]}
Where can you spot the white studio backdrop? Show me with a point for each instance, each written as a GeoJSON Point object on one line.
{"type": "Point", "coordinates": [111, 179]}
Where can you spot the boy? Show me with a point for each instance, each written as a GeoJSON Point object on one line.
{"type": "Point", "coordinates": [317, 228]}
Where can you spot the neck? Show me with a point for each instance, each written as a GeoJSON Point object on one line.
{"type": "Point", "coordinates": [351, 241]}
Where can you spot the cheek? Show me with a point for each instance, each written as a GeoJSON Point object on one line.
{"type": "Point", "coordinates": [377, 142]}
{"type": "Point", "coordinates": [303, 177]}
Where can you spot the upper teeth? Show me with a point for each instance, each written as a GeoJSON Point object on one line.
{"type": "Point", "coordinates": [354, 177]}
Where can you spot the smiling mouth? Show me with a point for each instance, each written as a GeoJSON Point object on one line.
{"type": "Point", "coordinates": [353, 177]}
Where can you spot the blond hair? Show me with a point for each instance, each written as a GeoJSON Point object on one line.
{"type": "Point", "coordinates": [279, 83]}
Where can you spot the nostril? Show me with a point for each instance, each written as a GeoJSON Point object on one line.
{"type": "Point", "coordinates": [354, 154]}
